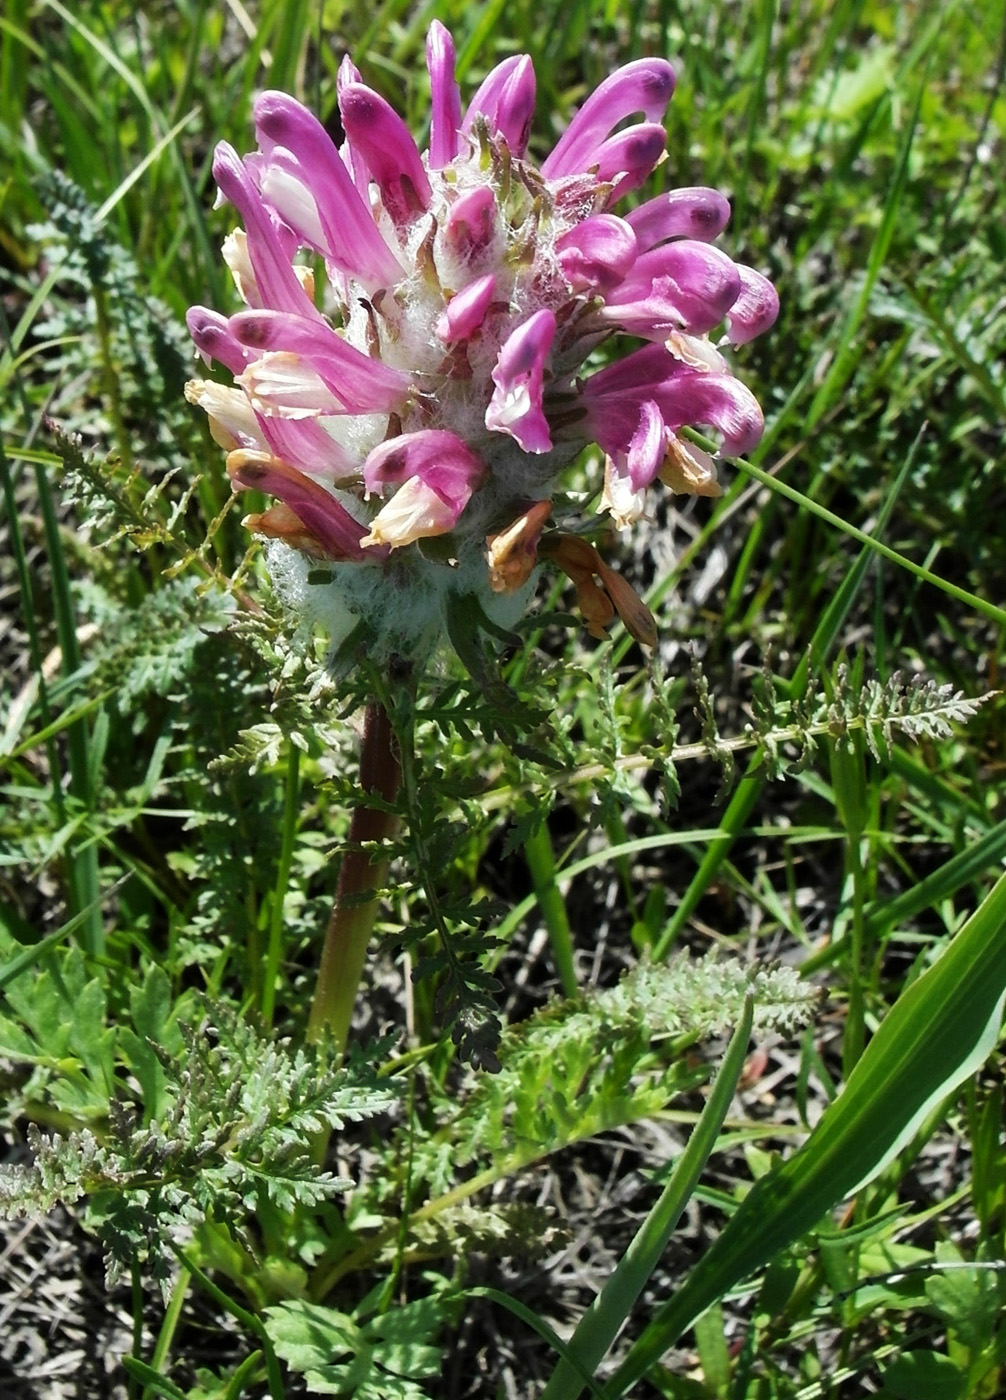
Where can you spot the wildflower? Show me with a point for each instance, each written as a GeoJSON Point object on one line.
{"type": "Point", "coordinates": [412, 372]}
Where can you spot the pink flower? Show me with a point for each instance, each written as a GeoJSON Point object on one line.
{"type": "Point", "coordinates": [437, 386]}
{"type": "Point", "coordinates": [436, 474]}
{"type": "Point", "coordinates": [516, 405]}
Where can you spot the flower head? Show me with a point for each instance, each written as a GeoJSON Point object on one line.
{"type": "Point", "coordinates": [412, 372]}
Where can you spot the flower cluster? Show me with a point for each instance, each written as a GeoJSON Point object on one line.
{"type": "Point", "coordinates": [411, 374]}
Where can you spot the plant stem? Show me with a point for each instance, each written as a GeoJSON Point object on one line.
{"type": "Point", "coordinates": [353, 914]}
{"type": "Point", "coordinates": [84, 879]}
{"type": "Point", "coordinates": [137, 1290]}
{"type": "Point", "coordinates": [247, 1320]}
{"type": "Point", "coordinates": [169, 1326]}
{"type": "Point", "coordinates": [275, 950]}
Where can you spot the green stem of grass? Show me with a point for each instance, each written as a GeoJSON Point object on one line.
{"type": "Point", "coordinates": [82, 862]}
{"type": "Point", "coordinates": [169, 1326]}
{"type": "Point", "coordinates": [136, 1283]}
{"type": "Point", "coordinates": [601, 1323]}
{"type": "Point", "coordinates": [353, 913]}
{"type": "Point", "coordinates": [247, 1320]}
{"type": "Point", "coordinates": [849, 780]}
{"type": "Point", "coordinates": [734, 819]}
{"type": "Point", "coordinates": [111, 378]}
{"type": "Point", "coordinates": [291, 796]}
{"type": "Point", "coordinates": [541, 862]}
{"type": "Point", "coordinates": [17, 548]}
{"type": "Point", "coordinates": [980, 605]}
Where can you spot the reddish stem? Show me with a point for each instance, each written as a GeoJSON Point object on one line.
{"type": "Point", "coordinates": [351, 924]}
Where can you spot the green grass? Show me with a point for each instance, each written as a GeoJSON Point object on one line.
{"type": "Point", "coordinates": [178, 772]}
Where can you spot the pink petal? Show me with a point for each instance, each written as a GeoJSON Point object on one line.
{"type": "Point", "coordinates": [296, 144]}
{"type": "Point", "coordinates": [678, 286]}
{"type": "Point", "coordinates": [628, 472]}
{"type": "Point", "coordinates": [515, 407]}
{"type": "Point", "coordinates": [445, 97]}
{"type": "Point", "coordinates": [697, 213]}
{"type": "Point", "coordinates": [348, 73]}
{"type": "Point", "coordinates": [685, 396]}
{"type": "Point", "coordinates": [352, 160]}
{"type": "Point", "coordinates": [755, 309]}
{"type": "Point", "coordinates": [645, 451]}
{"type": "Point", "coordinates": [304, 443]}
{"type": "Point", "coordinates": [465, 312]}
{"type": "Point", "coordinates": [717, 401]}
{"type": "Point", "coordinates": [361, 384]}
{"type": "Point", "coordinates": [627, 160]}
{"type": "Point", "coordinates": [644, 86]}
{"type": "Point", "coordinates": [471, 221]}
{"type": "Point", "coordinates": [326, 518]}
{"type": "Point", "coordinates": [280, 384]}
{"type": "Point", "coordinates": [215, 340]}
{"type": "Point", "coordinates": [436, 457]}
{"type": "Point", "coordinates": [378, 133]}
{"type": "Point", "coordinates": [506, 100]}
{"type": "Point", "coordinates": [597, 253]}
{"type": "Point", "coordinates": [276, 281]}
{"type": "Point", "coordinates": [633, 375]}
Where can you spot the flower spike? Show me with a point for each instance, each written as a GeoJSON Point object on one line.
{"type": "Point", "coordinates": [360, 384]}
{"type": "Point", "coordinates": [755, 309]}
{"type": "Point", "coordinates": [335, 531]}
{"type": "Point", "coordinates": [434, 382]}
{"type": "Point", "coordinates": [629, 158]}
{"type": "Point", "coordinates": [597, 254]}
{"type": "Point", "coordinates": [306, 179]}
{"type": "Point", "coordinates": [214, 339]}
{"type": "Point", "coordinates": [436, 473]}
{"type": "Point", "coordinates": [679, 286]}
{"type": "Point", "coordinates": [464, 313]}
{"type": "Point", "coordinates": [689, 213]}
{"type": "Point", "coordinates": [275, 282]}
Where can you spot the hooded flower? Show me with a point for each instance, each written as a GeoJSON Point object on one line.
{"type": "Point", "coordinates": [412, 370]}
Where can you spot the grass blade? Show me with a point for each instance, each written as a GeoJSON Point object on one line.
{"type": "Point", "coordinates": [937, 1034]}
{"type": "Point", "coordinates": [600, 1324]}
{"type": "Point", "coordinates": [745, 796]}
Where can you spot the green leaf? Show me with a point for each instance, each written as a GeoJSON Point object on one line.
{"type": "Point", "coordinates": [153, 1022]}
{"type": "Point", "coordinates": [924, 1375]}
{"type": "Point", "coordinates": [152, 1378]}
{"type": "Point", "coordinates": [307, 1335]}
{"type": "Point", "coordinates": [968, 1299]}
{"type": "Point", "coordinates": [939, 1032]}
{"type": "Point", "coordinates": [386, 1354]}
{"type": "Point", "coordinates": [31, 953]}
{"type": "Point", "coordinates": [90, 1038]}
{"type": "Point", "coordinates": [864, 84]}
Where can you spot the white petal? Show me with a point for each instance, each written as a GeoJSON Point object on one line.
{"type": "Point", "coordinates": [281, 384]}
{"type": "Point", "coordinates": [294, 203]}
{"type": "Point", "coordinates": [413, 513]}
